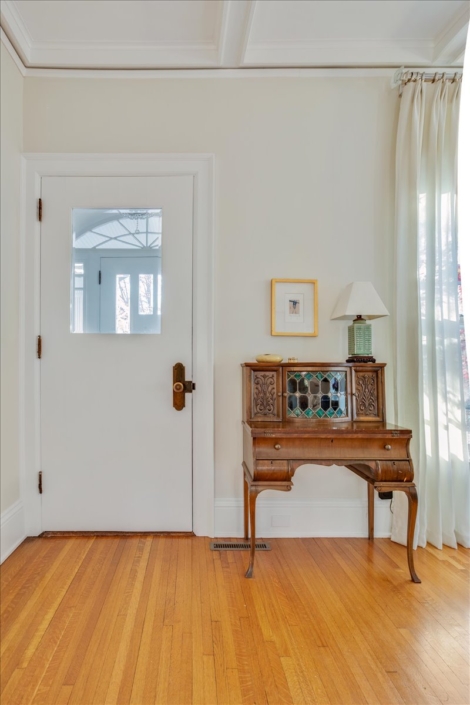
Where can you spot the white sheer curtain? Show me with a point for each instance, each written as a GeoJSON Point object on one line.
{"type": "Point", "coordinates": [428, 362]}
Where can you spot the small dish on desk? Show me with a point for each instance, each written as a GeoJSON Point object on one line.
{"type": "Point", "coordinates": [268, 357]}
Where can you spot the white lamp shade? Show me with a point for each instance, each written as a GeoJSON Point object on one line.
{"type": "Point", "coordinates": [359, 299]}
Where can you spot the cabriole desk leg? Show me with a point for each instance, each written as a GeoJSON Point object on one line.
{"type": "Point", "coordinates": [412, 495]}
{"type": "Point", "coordinates": [253, 495]}
{"type": "Point", "coordinates": [370, 508]}
{"type": "Point", "coordinates": [245, 506]}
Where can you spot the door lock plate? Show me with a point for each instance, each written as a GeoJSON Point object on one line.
{"type": "Point", "coordinates": [181, 386]}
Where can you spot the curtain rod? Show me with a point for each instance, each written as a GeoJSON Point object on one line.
{"type": "Point", "coordinates": [403, 76]}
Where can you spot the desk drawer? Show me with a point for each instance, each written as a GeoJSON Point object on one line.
{"type": "Point", "coordinates": [330, 448]}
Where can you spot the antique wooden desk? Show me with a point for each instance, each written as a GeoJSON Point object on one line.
{"type": "Point", "coordinates": [324, 414]}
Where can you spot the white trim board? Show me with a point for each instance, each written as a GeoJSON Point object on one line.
{"type": "Point", "coordinates": [13, 53]}
{"type": "Point", "coordinates": [12, 529]}
{"type": "Point", "coordinates": [315, 518]}
{"type": "Point", "coordinates": [201, 167]}
{"type": "Point", "coordinates": [340, 72]}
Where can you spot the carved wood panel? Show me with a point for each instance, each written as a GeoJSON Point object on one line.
{"type": "Point", "coordinates": [264, 391]}
{"type": "Point", "coordinates": [367, 395]}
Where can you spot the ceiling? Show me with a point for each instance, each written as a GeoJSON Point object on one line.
{"type": "Point", "coordinates": [208, 34]}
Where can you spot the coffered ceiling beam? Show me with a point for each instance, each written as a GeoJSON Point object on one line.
{"type": "Point", "coordinates": [235, 26]}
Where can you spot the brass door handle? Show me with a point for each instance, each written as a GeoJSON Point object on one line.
{"type": "Point", "coordinates": [181, 386]}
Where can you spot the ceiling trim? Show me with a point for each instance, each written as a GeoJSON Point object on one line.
{"type": "Point", "coordinates": [18, 33]}
{"type": "Point", "coordinates": [115, 56]}
{"type": "Point", "coordinates": [449, 45]}
{"type": "Point", "coordinates": [146, 74]}
{"type": "Point", "coordinates": [218, 73]}
{"type": "Point", "coordinates": [232, 48]}
{"type": "Point", "coordinates": [13, 53]}
{"type": "Point", "coordinates": [340, 52]}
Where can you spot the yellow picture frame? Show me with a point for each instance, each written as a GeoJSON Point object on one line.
{"type": "Point", "coordinates": [294, 307]}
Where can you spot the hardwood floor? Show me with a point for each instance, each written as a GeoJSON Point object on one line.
{"type": "Point", "coordinates": [165, 620]}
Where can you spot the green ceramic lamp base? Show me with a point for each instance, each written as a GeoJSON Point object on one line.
{"type": "Point", "coordinates": [360, 341]}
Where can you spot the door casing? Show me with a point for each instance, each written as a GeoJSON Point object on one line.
{"type": "Point", "coordinates": [201, 168]}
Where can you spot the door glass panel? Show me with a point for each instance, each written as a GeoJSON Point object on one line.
{"type": "Point", "coordinates": [145, 294]}
{"type": "Point", "coordinates": [116, 275]}
{"type": "Point", "coordinates": [123, 303]}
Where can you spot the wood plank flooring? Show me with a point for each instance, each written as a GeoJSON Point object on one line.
{"type": "Point", "coordinates": [152, 619]}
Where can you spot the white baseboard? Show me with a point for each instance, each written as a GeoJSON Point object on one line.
{"type": "Point", "coordinates": [12, 529]}
{"type": "Point", "coordinates": [288, 519]}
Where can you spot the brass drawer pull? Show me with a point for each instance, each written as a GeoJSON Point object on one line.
{"type": "Point", "coordinates": [279, 394]}
{"type": "Point", "coordinates": [387, 447]}
{"type": "Point", "coordinates": [277, 446]}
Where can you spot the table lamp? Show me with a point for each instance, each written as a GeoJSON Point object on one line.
{"type": "Point", "coordinates": [359, 301]}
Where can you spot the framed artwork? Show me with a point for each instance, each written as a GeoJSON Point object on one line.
{"type": "Point", "coordinates": [294, 307]}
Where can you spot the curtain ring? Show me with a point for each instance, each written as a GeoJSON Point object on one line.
{"type": "Point", "coordinates": [455, 77]}
{"type": "Point", "coordinates": [435, 78]}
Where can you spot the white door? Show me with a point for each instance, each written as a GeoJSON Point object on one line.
{"type": "Point", "coordinates": [116, 315]}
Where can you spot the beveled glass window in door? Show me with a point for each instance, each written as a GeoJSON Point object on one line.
{"type": "Point", "coordinates": [316, 395]}
{"type": "Point", "coordinates": [116, 282]}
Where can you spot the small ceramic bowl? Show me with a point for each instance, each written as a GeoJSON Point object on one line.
{"type": "Point", "coordinates": [267, 357]}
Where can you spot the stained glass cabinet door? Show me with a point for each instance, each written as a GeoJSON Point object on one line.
{"type": "Point", "coordinates": [317, 394]}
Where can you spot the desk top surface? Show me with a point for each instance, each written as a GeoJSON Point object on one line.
{"type": "Point", "coordinates": [309, 363]}
{"type": "Point", "coordinates": [322, 429]}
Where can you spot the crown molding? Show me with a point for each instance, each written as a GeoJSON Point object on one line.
{"type": "Point", "coordinates": [449, 45]}
{"type": "Point", "coordinates": [217, 73]}
{"type": "Point", "coordinates": [328, 52]}
{"type": "Point", "coordinates": [82, 55]}
{"type": "Point", "coordinates": [13, 53]}
{"type": "Point", "coordinates": [13, 23]}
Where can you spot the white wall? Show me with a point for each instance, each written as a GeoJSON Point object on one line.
{"type": "Point", "coordinates": [304, 189]}
{"type": "Point", "coordinates": [11, 146]}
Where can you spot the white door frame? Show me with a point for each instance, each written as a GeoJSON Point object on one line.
{"type": "Point", "coordinates": [201, 168]}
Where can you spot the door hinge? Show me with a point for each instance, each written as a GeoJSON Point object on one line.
{"type": "Point", "coordinates": [40, 481]}
{"type": "Point", "coordinates": [99, 277]}
{"type": "Point", "coordinates": [40, 209]}
{"type": "Point", "coordinates": [39, 347]}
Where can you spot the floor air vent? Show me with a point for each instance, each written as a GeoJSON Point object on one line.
{"type": "Point", "coordinates": [245, 546]}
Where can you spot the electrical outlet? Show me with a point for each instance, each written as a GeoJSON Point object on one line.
{"type": "Point", "coordinates": [280, 520]}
